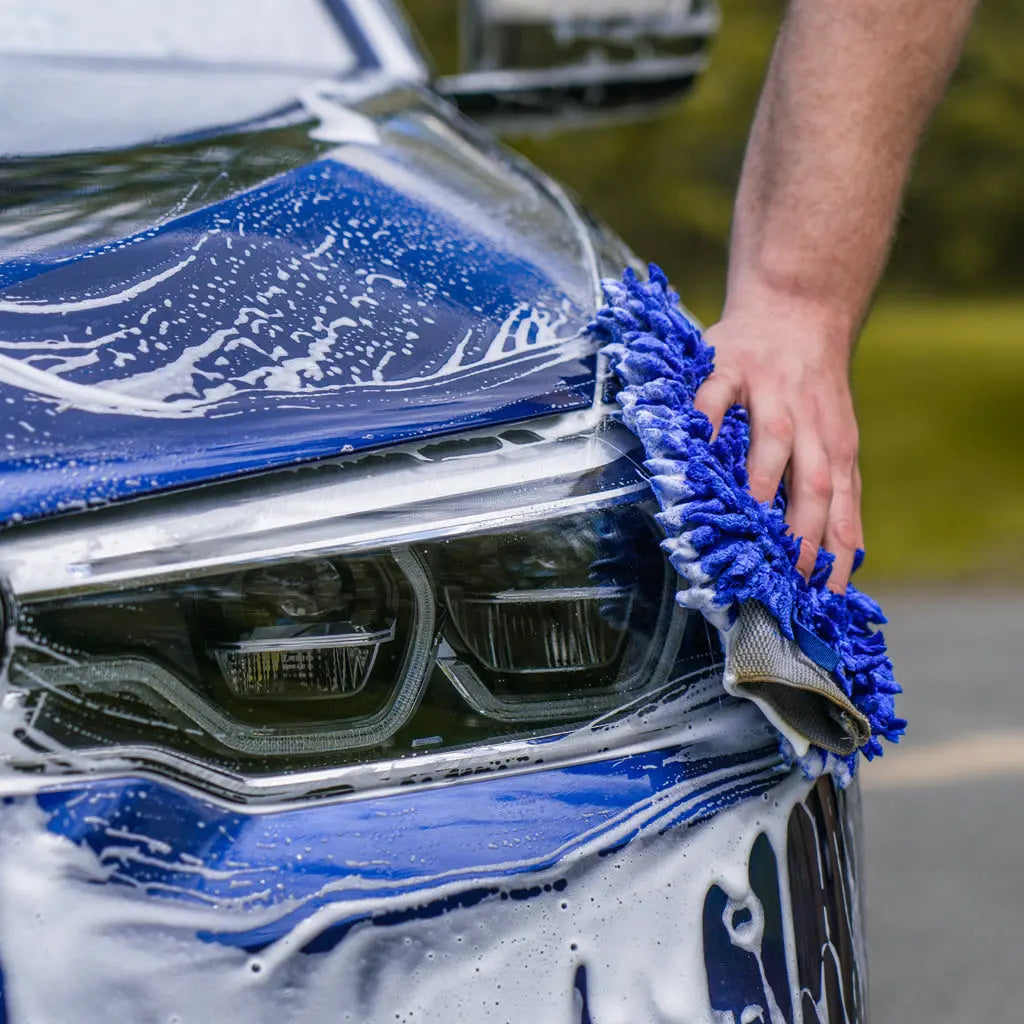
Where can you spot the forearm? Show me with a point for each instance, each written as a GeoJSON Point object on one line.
{"type": "Point", "coordinates": [849, 89]}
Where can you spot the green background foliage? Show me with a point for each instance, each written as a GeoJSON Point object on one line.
{"type": "Point", "coordinates": [939, 378]}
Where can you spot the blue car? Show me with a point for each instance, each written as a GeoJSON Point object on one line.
{"type": "Point", "coordinates": [343, 678]}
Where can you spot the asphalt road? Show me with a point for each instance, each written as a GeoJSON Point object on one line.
{"type": "Point", "coordinates": [944, 817]}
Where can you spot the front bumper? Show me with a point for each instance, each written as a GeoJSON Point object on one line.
{"type": "Point", "coordinates": [700, 881]}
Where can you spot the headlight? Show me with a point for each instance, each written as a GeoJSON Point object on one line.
{"type": "Point", "coordinates": [432, 599]}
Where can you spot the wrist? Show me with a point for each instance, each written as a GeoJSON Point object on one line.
{"type": "Point", "coordinates": [804, 313]}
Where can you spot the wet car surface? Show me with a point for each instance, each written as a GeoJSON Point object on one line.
{"type": "Point", "coordinates": [343, 674]}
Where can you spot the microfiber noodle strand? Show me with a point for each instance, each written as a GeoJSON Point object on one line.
{"type": "Point", "coordinates": [727, 546]}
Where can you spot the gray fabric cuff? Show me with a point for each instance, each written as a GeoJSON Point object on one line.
{"type": "Point", "coordinates": [798, 697]}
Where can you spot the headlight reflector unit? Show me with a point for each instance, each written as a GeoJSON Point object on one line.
{"type": "Point", "coordinates": [306, 631]}
{"type": "Point", "coordinates": [558, 621]}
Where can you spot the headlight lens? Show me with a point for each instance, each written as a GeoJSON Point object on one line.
{"type": "Point", "coordinates": [312, 657]}
{"type": "Point", "coordinates": [525, 620]}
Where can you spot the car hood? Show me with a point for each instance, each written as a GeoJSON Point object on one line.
{"type": "Point", "coordinates": [404, 280]}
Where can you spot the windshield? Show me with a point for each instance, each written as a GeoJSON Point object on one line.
{"type": "Point", "coordinates": [105, 74]}
{"type": "Point", "coordinates": [239, 32]}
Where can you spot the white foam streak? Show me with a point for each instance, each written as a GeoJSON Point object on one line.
{"type": "Point", "coordinates": [92, 397]}
{"type": "Point", "coordinates": [182, 388]}
{"type": "Point", "coordinates": [99, 301]}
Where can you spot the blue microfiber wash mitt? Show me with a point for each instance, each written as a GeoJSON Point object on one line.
{"type": "Point", "coordinates": [813, 660]}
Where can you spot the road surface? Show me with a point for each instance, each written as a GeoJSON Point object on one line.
{"type": "Point", "coordinates": [944, 817]}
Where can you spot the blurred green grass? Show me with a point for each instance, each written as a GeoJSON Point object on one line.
{"type": "Point", "coordinates": [939, 387]}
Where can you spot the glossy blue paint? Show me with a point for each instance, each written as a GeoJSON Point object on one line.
{"type": "Point", "coordinates": [480, 838]}
{"type": "Point", "coordinates": [738, 976]}
{"type": "Point", "coordinates": [344, 305]}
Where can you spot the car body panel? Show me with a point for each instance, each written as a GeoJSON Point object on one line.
{"type": "Point", "coordinates": [700, 880]}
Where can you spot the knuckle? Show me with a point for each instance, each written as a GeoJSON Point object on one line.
{"type": "Point", "coordinates": [844, 458]}
{"type": "Point", "coordinates": [846, 534]}
{"type": "Point", "coordinates": [715, 389]}
{"type": "Point", "coordinates": [723, 382]}
{"type": "Point", "coordinates": [762, 483]}
{"type": "Point", "coordinates": [819, 483]}
{"type": "Point", "coordinates": [808, 553]}
{"type": "Point", "coordinates": [778, 427]}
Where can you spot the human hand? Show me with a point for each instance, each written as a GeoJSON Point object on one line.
{"type": "Point", "coordinates": [791, 373]}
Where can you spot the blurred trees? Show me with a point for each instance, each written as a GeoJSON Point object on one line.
{"type": "Point", "coordinates": [964, 214]}
{"type": "Point", "coordinates": [666, 184]}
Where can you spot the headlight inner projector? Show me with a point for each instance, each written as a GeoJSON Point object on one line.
{"type": "Point", "coordinates": [529, 598]}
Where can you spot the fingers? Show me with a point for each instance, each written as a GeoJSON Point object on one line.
{"type": "Point", "coordinates": [844, 533]}
{"type": "Point", "coordinates": [714, 398]}
{"type": "Point", "coordinates": [823, 484]}
{"type": "Point", "coordinates": [794, 383]}
{"type": "Point", "coordinates": [810, 498]}
{"type": "Point", "coordinates": [771, 445]}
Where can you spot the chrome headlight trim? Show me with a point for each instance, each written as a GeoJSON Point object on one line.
{"type": "Point", "coordinates": [674, 715]}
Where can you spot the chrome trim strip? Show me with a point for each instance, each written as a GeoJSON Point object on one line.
{"type": "Point", "coordinates": [513, 81]}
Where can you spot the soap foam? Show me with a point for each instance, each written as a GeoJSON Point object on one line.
{"type": "Point", "coordinates": [631, 919]}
